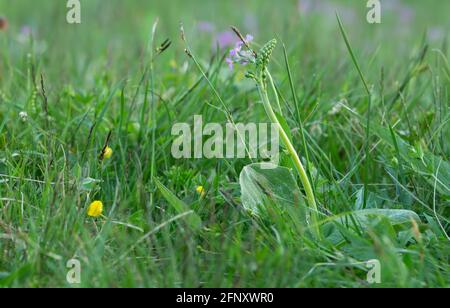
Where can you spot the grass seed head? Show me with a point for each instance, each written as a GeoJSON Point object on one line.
{"type": "Point", "coordinates": [3, 24]}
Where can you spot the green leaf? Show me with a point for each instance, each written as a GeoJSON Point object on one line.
{"type": "Point", "coordinates": [8, 279]}
{"type": "Point", "coordinates": [423, 162]}
{"type": "Point", "coordinates": [364, 219]}
{"type": "Point", "coordinates": [88, 184]}
{"type": "Point", "coordinates": [284, 125]}
{"type": "Point", "coordinates": [265, 184]}
{"type": "Point", "coordinates": [396, 217]}
{"type": "Point", "coordinates": [193, 220]}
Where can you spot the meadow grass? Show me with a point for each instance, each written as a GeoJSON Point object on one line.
{"type": "Point", "coordinates": [365, 107]}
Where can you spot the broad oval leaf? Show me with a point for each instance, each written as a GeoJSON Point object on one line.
{"type": "Point", "coordinates": [265, 184]}
{"type": "Point", "coordinates": [363, 219]}
{"type": "Point", "coordinates": [88, 184]}
{"type": "Point", "coordinates": [396, 217]}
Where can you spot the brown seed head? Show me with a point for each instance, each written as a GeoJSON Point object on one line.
{"type": "Point", "coordinates": [3, 24]}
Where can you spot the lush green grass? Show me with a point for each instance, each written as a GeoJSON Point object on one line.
{"type": "Point", "coordinates": [97, 79]}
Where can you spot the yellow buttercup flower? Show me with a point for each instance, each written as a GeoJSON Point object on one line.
{"type": "Point", "coordinates": [95, 209]}
{"type": "Point", "coordinates": [201, 191]}
{"type": "Point", "coordinates": [107, 153]}
{"type": "Point", "coordinates": [173, 64]}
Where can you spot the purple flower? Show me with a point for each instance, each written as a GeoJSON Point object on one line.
{"type": "Point", "coordinates": [305, 6]}
{"type": "Point", "coordinates": [326, 9]}
{"type": "Point", "coordinates": [26, 30]}
{"type": "Point", "coordinates": [230, 63]}
{"type": "Point", "coordinates": [226, 39]}
{"type": "Point", "coordinates": [239, 55]}
{"type": "Point", "coordinates": [436, 34]}
{"type": "Point", "coordinates": [407, 14]}
{"type": "Point", "coordinates": [25, 33]}
{"type": "Point", "coordinates": [206, 26]}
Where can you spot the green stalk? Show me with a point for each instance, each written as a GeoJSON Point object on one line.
{"type": "Point", "coordinates": [369, 110]}
{"type": "Point", "coordinates": [294, 156]}
{"type": "Point", "coordinates": [153, 113]}
{"type": "Point", "coordinates": [274, 89]}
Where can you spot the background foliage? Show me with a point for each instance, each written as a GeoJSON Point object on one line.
{"type": "Point", "coordinates": [93, 79]}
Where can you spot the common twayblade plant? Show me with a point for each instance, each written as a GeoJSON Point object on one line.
{"type": "Point", "coordinates": [265, 83]}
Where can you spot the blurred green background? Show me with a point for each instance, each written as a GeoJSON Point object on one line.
{"type": "Point", "coordinates": [120, 29]}
{"type": "Point", "coordinates": [84, 68]}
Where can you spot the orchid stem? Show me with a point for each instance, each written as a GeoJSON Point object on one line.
{"type": "Point", "coordinates": [274, 89]}
{"type": "Point", "coordinates": [293, 153]}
